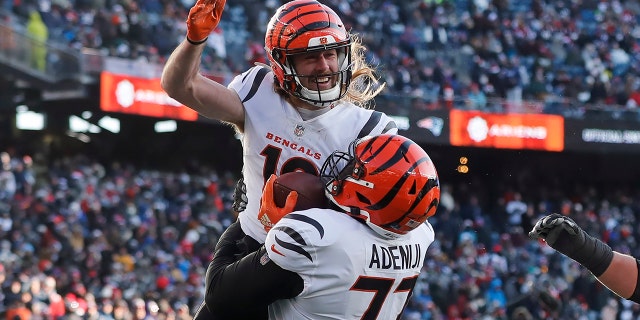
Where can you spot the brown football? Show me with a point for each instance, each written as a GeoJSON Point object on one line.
{"type": "Point", "coordinates": [309, 187]}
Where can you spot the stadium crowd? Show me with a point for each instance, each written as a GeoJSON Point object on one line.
{"type": "Point", "coordinates": [81, 239]}
{"type": "Point", "coordinates": [563, 54]}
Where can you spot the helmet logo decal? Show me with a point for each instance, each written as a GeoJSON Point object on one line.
{"type": "Point", "coordinates": [299, 130]}
{"type": "Point", "coordinates": [321, 41]}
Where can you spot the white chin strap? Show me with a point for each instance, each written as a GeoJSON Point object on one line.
{"type": "Point", "coordinates": [328, 97]}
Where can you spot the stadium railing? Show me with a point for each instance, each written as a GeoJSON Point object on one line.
{"type": "Point", "coordinates": [17, 48]}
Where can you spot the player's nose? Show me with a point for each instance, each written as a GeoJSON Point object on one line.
{"type": "Point", "coordinates": [322, 64]}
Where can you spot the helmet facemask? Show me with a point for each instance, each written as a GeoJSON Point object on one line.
{"type": "Point", "coordinates": [336, 169]}
{"type": "Point", "coordinates": [320, 98]}
{"type": "Point", "coordinates": [340, 167]}
{"type": "Point", "coordinates": [303, 27]}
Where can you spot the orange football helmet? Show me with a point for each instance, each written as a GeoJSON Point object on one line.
{"type": "Point", "coordinates": [388, 181]}
{"type": "Point", "coordinates": [304, 26]}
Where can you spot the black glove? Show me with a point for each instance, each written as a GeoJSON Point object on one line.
{"type": "Point", "coordinates": [240, 196]}
{"type": "Point", "coordinates": [566, 237]}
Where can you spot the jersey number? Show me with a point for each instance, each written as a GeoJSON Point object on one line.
{"type": "Point", "coordinates": [272, 155]}
{"type": "Point", "coordinates": [381, 288]}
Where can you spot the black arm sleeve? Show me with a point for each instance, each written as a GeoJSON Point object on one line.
{"type": "Point", "coordinates": [243, 289]}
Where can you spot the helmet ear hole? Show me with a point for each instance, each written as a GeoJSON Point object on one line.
{"type": "Point", "coordinates": [363, 199]}
{"type": "Point", "coordinates": [413, 188]}
{"type": "Point", "coordinates": [275, 53]}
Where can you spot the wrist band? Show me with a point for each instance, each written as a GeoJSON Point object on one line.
{"type": "Point", "coordinates": [599, 256]}
{"type": "Point", "coordinates": [195, 43]}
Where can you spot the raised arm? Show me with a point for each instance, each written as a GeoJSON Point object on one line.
{"type": "Point", "coordinates": [617, 271]}
{"type": "Point", "coordinates": [181, 77]}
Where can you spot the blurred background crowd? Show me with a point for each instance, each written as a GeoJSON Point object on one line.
{"type": "Point", "coordinates": [567, 54]}
{"type": "Point", "coordinates": [87, 241]}
{"type": "Point", "coordinates": [82, 239]}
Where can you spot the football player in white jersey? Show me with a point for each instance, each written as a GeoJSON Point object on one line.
{"type": "Point", "coordinates": [314, 97]}
{"type": "Point", "coordinates": [358, 260]}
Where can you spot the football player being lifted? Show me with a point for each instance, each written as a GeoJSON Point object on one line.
{"type": "Point", "coordinates": [313, 98]}
{"type": "Point", "coordinates": [358, 260]}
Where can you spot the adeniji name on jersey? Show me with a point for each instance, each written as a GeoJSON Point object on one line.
{"type": "Point", "coordinates": [277, 140]}
{"type": "Point", "coordinates": [349, 271]}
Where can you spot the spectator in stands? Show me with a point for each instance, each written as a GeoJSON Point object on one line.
{"type": "Point", "coordinates": [18, 311]}
{"type": "Point", "coordinates": [476, 99]}
{"type": "Point", "coordinates": [38, 33]}
{"type": "Point", "coordinates": [515, 209]}
{"type": "Point", "coordinates": [537, 88]}
{"type": "Point", "coordinates": [7, 39]}
{"type": "Point", "coordinates": [8, 184]}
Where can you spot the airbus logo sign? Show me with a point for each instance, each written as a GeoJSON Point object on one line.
{"type": "Point", "coordinates": [479, 130]}
{"type": "Point", "coordinates": [127, 95]}
{"type": "Point", "coordinates": [510, 131]}
{"type": "Point", "coordinates": [141, 96]}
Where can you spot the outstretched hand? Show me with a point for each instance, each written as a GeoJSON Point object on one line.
{"type": "Point", "coordinates": [203, 17]}
{"type": "Point", "coordinates": [566, 237]}
{"type": "Point", "coordinates": [555, 226]}
{"type": "Point", "coordinates": [269, 213]}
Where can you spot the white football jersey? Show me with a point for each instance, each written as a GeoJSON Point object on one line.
{"type": "Point", "coordinates": [349, 271]}
{"type": "Point", "coordinates": [277, 140]}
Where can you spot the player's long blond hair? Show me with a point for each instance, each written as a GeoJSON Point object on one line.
{"type": "Point", "coordinates": [364, 86]}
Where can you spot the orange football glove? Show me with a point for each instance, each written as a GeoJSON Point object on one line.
{"type": "Point", "coordinates": [203, 17]}
{"type": "Point", "coordinates": [269, 213]}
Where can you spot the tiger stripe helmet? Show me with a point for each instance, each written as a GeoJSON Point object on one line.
{"type": "Point", "coordinates": [388, 181]}
{"type": "Point", "coordinates": [303, 26]}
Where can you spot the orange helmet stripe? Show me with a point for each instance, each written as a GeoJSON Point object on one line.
{"type": "Point", "coordinates": [318, 18]}
{"type": "Point", "coordinates": [397, 159]}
